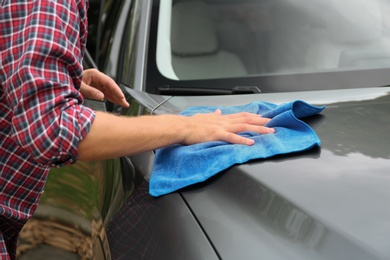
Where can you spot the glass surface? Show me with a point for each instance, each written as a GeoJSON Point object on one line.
{"type": "Point", "coordinates": [214, 39]}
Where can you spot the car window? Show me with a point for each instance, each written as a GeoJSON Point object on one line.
{"type": "Point", "coordinates": [213, 39]}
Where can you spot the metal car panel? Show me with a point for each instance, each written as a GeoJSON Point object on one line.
{"type": "Point", "coordinates": [326, 203]}
{"type": "Point", "coordinates": [157, 228]}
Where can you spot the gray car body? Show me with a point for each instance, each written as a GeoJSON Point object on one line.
{"type": "Point", "coordinates": [326, 203]}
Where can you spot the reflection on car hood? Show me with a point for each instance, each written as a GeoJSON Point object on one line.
{"type": "Point", "coordinates": [327, 203]}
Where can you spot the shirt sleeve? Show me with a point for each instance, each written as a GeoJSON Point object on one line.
{"type": "Point", "coordinates": [47, 47]}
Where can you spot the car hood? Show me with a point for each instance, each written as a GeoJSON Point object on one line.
{"type": "Point", "coordinates": [326, 203]}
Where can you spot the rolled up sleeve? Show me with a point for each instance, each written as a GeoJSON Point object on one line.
{"type": "Point", "coordinates": [44, 78]}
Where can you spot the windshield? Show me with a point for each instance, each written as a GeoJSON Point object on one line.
{"type": "Point", "coordinates": [215, 39]}
{"type": "Point", "coordinates": [201, 47]}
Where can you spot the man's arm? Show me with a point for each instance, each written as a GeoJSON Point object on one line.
{"type": "Point", "coordinates": [113, 136]}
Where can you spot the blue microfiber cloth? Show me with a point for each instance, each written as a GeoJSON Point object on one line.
{"type": "Point", "coordinates": [178, 166]}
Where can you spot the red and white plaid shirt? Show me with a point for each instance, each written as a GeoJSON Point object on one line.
{"type": "Point", "coordinates": [42, 117]}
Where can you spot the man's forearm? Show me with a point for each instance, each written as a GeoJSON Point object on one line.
{"type": "Point", "coordinates": [113, 136]}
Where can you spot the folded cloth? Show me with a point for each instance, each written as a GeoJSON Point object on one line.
{"type": "Point", "coordinates": [178, 166]}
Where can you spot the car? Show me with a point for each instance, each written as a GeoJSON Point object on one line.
{"type": "Point", "coordinates": [327, 202]}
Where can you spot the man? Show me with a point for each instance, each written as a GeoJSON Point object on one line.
{"type": "Point", "coordinates": [43, 122]}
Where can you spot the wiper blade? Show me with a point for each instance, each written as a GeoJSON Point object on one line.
{"type": "Point", "coordinates": [246, 90]}
{"type": "Point", "coordinates": [187, 91]}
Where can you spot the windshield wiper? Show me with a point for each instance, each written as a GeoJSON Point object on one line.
{"type": "Point", "coordinates": [187, 91]}
{"type": "Point", "coordinates": [246, 90]}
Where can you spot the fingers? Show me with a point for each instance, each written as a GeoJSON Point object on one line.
{"type": "Point", "coordinates": [238, 128]}
{"type": "Point", "coordinates": [237, 139]}
{"type": "Point", "coordinates": [245, 117]}
{"type": "Point", "coordinates": [107, 86]}
{"type": "Point", "coordinates": [246, 122]}
{"type": "Point", "coordinates": [231, 135]}
{"type": "Point", "coordinates": [90, 92]}
{"type": "Point", "coordinates": [215, 126]}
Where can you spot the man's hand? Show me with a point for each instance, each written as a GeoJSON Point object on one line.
{"type": "Point", "coordinates": [96, 85]}
{"type": "Point", "coordinates": [215, 126]}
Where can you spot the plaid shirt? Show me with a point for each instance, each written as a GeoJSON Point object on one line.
{"type": "Point", "coordinates": [42, 117]}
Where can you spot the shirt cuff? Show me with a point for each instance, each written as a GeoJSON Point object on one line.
{"type": "Point", "coordinates": [80, 119]}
